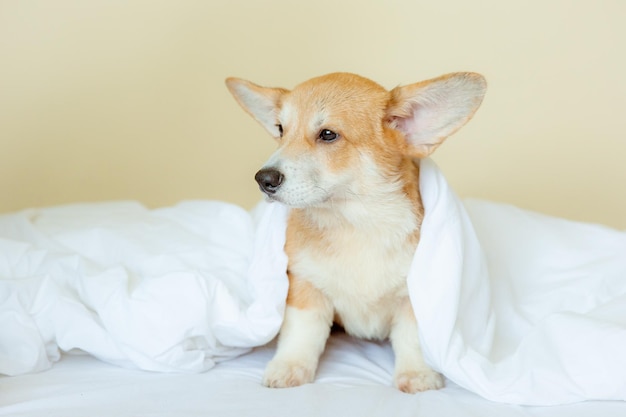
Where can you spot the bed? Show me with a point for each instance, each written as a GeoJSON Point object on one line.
{"type": "Point", "coordinates": [115, 309]}
{"type": "Point", "coordinates": [354, 379]}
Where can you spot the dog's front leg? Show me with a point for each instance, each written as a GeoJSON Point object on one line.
{"type": "Point", "coordinates": [302, 338]}
{"type": "Point", "coordinates": [411, 373]}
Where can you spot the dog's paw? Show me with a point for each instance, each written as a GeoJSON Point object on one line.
{"type": "Point", "coordinates": [282, 374]}
{"type": "Point", "coordinates": [417, 381]}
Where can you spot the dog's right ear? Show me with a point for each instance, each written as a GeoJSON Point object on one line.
{"type": "Point", "coordinates": [262, 103]}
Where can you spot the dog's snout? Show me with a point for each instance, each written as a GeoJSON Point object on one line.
{"type": "Point", "coordinates": [269, 180]}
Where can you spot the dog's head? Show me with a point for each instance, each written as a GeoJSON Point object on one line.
{"type": "Point", "coordinates": [341, 134]}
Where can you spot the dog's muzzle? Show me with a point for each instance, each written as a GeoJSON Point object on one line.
{"type": "Point", "coordinates": [269, 180]}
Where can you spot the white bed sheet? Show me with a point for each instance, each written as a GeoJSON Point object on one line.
{"type": "Point", "coordinates": [354, 379]}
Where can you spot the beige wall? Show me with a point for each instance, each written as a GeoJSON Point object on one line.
{"type": "Point", "coordinates": [104, 100]}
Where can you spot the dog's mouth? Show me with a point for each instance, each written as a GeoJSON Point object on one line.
{"type": "Point", "coordinates": [272, 198]}
{"type": "Point", "coordinates": [297, 202]}
{"type": "Point", "coordinates": [299, 198]}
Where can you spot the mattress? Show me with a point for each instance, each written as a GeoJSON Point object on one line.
{"type": "Point", "coordinates": [354, 379]}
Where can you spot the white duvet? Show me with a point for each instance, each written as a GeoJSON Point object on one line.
{"type": "Point", "coordinates": [519, 307]}
{"type": "Point", "coordinates": [173, 289]}
{"type": "Point", "coordinates": [515, 306]}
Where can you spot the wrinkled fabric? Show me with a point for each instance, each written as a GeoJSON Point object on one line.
{"type": "Point", "coordinates": [172, 289]}
{"type": "Point", "coordinates": [517, 306]}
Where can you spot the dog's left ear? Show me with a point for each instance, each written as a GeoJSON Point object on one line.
{"type": "Point", "coordinates": [429, 111]}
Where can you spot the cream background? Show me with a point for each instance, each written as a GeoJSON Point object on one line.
{"type": "Point", "coordinates": [103, 100]}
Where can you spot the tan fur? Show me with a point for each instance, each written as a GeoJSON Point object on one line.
{"type": "Point", "coordinates": [355, 205]}
{"type": "Point", "coordinates": [303, 295]}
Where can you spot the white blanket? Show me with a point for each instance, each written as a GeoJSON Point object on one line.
{"type": "Point", "coordinates": [515, 306]}
{"type": "Point", "coordinates": [172, 289]}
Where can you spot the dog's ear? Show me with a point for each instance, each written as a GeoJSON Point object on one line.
{"type": "Point", "coordinates": [262, 103]}
{"type": "Point", "coordinates": [429, 111]}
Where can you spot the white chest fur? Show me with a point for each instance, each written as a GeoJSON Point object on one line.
{"type": "Point", "coordinates": [361, 266]}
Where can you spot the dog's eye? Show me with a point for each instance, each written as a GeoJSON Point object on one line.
{"type": "Point", "coordinates": [328, 135]}
{"type": "Point", "coordinates": [280, 129]}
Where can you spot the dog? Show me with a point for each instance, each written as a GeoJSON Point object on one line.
{"type": "Point", "coordinates": [347, 166]}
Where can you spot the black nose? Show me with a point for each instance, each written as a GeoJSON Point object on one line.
{"type": "Point", "coordinates": [269, 180]}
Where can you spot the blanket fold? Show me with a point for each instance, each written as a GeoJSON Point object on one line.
{"type": "Point", "coordinates": [516, 306]}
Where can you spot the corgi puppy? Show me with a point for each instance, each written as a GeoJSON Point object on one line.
{"type": "Point", "coordinates": [347, 165]}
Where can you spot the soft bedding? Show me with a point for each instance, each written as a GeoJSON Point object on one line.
{"type": "Point", "coordinates": [354, 379]}
{"type": "Point", "coordinates": [172, 289]}
{"type": "Point", "coordinates": [513, 306]}
{"type": "Point", "coordinates": [519, 307]}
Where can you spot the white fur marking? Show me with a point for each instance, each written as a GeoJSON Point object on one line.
{"type": "Point", "coordinates": [302, 339]}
